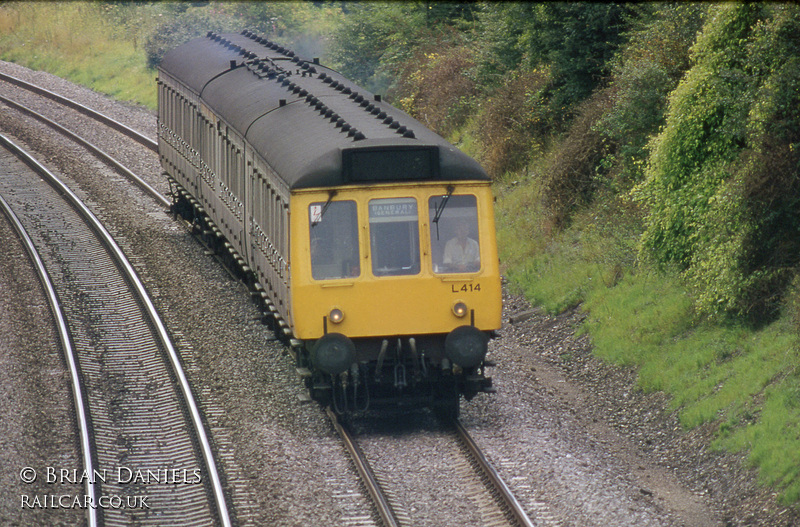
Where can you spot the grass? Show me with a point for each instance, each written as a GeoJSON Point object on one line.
{"type": "Point", "coordinates": [745, 382]}
{"type": "Point", "coordinates": [75, 41]}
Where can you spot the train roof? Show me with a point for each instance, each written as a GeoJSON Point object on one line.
{"type": "Point", "coordinates": [314, 127]}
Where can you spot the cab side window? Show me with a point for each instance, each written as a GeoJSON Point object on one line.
{"type": "Point", "coordinates": [334, 247]}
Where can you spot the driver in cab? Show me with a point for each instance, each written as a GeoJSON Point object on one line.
{"type": "Point", "coordinates": [462, 254]}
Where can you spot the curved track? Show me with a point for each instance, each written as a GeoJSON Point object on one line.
{"type": "Point", "coordinates": [116, 125]}
{"type": "Point", "coordinates": [78, 391]}
{"type": "Point", "coordinates": [150, 443]}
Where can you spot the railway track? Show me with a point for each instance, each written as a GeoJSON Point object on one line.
{"type": "Point", "coordinates": [506, 504]}
{"type": "Point", "coordinates": [507, 511]}
{"type": "Point", "coordinates": [98, 116]}
{"type": "Point", "coordinates": [143, 438]}
{"type": "Point", "coordinates": [100, 153]}
{"type": "Point", "coordinates": [490, 494]}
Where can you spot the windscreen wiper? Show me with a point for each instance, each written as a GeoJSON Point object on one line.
{"type": "Point", "coordinates": [440, 208]}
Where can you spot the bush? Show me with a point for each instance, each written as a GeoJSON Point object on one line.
{"type": "Point", "coordinates": [512, 124]}
{"type": "Point", "coordinates": [574, 167]}
{"type": "Point", "coordinates": [183, 26]}
{"type": "Point", "coordinates": [435, 85]}
{"type": "Point", "coordinates": [645, 72]}
{"type": "Point", "coordinates": [723, 176]}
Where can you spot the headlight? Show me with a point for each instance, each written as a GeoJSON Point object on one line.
{"type": "Point", "coordinates": [336, 315]}
{"type": "Point", "coordinates": [459, 309]}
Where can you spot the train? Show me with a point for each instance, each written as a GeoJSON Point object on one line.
{"type": "Point", "coordinates": [367, 239]}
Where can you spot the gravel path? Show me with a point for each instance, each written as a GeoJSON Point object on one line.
{"type": "Point", "coordinates": [576, 441]}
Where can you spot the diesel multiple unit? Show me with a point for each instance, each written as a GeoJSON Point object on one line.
{"type": "Point", "coordinates": [370, 239]}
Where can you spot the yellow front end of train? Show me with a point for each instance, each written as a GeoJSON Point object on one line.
{"type": "Point", "coordinates": [394, 260]}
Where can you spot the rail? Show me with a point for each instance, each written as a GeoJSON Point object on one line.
{"type": "Point", "coordinates": [382, 504]}
{"type": "Point", "coordinates": [141, 139]}
{"type": "Point", "coordinates": [160, 330]}
{"type": "Point", "coordinates": [515, 511]}
{"type": "Point", "coordinates": [78, 392]}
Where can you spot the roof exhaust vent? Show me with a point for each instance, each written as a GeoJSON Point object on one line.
{"type": "Point", "coordinates": [282, 102]}
{"type": "Point", "coordinates": [233, 64]}
{"type": "Point", "coordinates": [377, 98]}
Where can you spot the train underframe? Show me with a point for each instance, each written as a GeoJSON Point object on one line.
{"type": "Point", "coordinates": [393, 373]}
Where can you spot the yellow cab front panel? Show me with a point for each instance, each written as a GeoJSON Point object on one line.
{"type": "Point", "coordinates": [393, 260]}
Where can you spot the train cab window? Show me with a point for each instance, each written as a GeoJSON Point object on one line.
{"type": "Point", "coordinates": [455, 246]}
{"type": "Point", "coordinates": [394, 236]}
{"type": "Point", "coordinates": [334, 240]}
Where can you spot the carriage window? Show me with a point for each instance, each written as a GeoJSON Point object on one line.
{"type": "Point", "coordinates": [334, 240]}
{"type": "Point", "coordinates": [454, 234]}
{"type": "Point", "coordinates": [394, 236]}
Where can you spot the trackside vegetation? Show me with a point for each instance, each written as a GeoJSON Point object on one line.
{"type": "Point", "coordinates": [646, 160]}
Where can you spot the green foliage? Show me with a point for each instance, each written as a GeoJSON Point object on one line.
{"type": "Point", "coordinates": [575, 40]}
{"type": "Point", "coordinates": [297, 24]}
{"type": "Point", "coordinates": [559, 269]}
{"type": "Point", "coordinates": [575, 171]}
{"type": "Point", "coordinates": [722, 182]}
{"type": "Point", "coordinates": [374, 39]}
{"type": "Point", "coordinates": [435, 87]}
{"type": "Point", "coordinates": [184, 25]}
{"type": "Point", "coordinates": [78, 41]}
{"type": "Point", "coordinates": [512, 124]}
{"type": "Point", "coordinates": [645, 72]}
{"type": "Point", "coordinates": [772, 438]}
